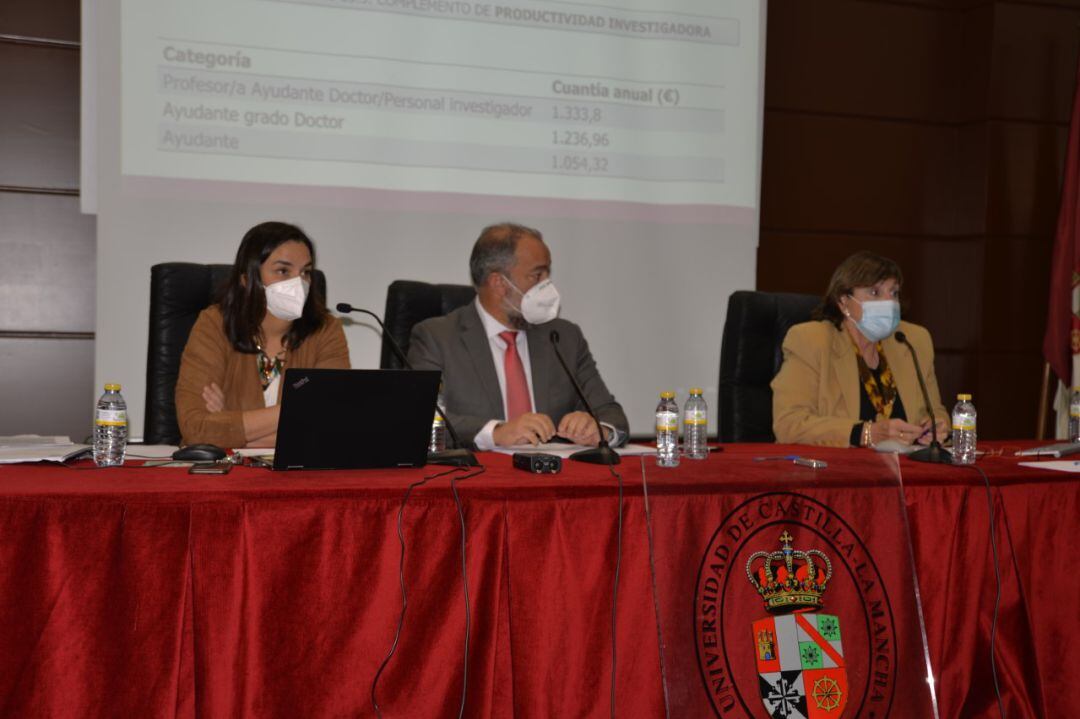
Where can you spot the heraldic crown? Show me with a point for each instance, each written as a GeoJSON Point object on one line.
{"type": "Point", "coordinates": [789, 579]}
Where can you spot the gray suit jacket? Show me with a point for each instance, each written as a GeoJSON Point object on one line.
{"type": "Point", "coordinates": [456, 345]}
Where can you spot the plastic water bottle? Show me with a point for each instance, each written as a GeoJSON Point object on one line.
{"type": "Point", "coordinates": [963, 430]}
{"type": "Point", "coordinates": [667, 431]}
{"type": "Point", "coordinates": [1074, 415]}
{"type": "Point", "coordinates": [695, 426]}
{"type": "Point", "coordinates": [438, 427]}
{"type": "Point", "coordinates": [110, 428]}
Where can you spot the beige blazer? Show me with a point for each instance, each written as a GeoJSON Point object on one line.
{"type": "Point", "coordinates": [816, 391]}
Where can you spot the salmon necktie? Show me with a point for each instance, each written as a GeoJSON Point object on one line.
{"type": "Point", "coordinates": [517, 386]}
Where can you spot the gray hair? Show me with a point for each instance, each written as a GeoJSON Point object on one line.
{"type": "Point", "coordinates": [494, 249]}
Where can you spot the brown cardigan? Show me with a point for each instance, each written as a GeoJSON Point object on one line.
{"type": "Point", "coordinates": [209, 357]}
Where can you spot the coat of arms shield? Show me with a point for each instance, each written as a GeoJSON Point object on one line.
{"type": "Point", "coordinates": [800, 659]}
{"type": "Point", "coordinates": [800, 664]}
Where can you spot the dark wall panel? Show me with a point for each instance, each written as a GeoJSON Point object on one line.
{"type": "Point", "coordinates": [51, 383]}
{"type": "Point", "coordinates": [1004, 392]}
{"type": "Point", "coordinates": [1034, 51]}
{"type": "Point", "coordinates": [49, 263]}
{"type": "Point", "coordinates": [958, 373]}
{"type": "Point", "coordinates": [860, 58]}
{"type": "Point", "coordinates": [51, 19]}
{"type": "Point", "coordinates": [39, 125]}
{"type": "Point", "coordinates": [1024, 182]}
{"type": "Point", "coordinates": [853, 174]}
{"type": "Point", "coordinates": [1015, 288]}
{"type": "Point", "coordinates": [47, 248]}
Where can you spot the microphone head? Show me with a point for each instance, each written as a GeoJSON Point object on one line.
{"type": "Point", "coordinates": [900, 336]}
{"type": "Point", "coordinates": [554, 336]}
{"type": "Point", "coordinates": [343, 307]}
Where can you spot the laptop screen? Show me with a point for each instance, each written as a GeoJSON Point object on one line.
{"type": "Point", "coordinates": [355, 419]}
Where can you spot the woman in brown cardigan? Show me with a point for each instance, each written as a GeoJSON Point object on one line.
{"type": "Point", "coordinates": [268, 317]}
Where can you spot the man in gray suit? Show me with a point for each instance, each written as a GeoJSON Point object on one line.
{"type": "Point", "coordinates": [502, 382]}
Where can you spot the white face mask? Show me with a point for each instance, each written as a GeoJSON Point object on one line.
{"type": "Point", "coordinates": [880, 318]}
{"type": "Point", "coordinates": [540, 304]}
{"type": "Point", "coordinates": [285, 300]}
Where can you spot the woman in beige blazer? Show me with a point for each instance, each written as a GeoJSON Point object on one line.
{"type": "Point", "coordinates": [269, 317]}
{"type": "Point", "coordinates": [845, 379]}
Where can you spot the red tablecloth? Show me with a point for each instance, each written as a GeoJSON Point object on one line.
{"type": "Point", "coordinates": [149, 592]}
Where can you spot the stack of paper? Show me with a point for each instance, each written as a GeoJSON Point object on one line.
{"type": "Point", "coordinates": [36, 448]}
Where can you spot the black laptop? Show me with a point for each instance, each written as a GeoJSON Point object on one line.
{"type": "Point", "coordinates": [355, 418]}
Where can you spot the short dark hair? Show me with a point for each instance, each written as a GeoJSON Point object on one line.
{"type": "Point", "coordinates": [862, 269]}
{"type": "Point", "coordinates": [494, 249]}
{"type": "Point", "coordinates": [243, 303]}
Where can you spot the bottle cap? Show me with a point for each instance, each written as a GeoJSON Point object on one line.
{"type": "Point", "coordinates": [695, 390]}
{"type": "Point", "coordinates": [667, 395]}
{"type": "Point", "coordinates": [964, 397]}
{"type": "Point", "coordinates": [112, 388]}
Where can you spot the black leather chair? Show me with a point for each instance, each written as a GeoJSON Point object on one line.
{"type": "Point", "coordinates": [750, 356]}
{"type": "Point", "coordinates": [179, 291]}
{"type": "Point", "coordinates": [409, 302]}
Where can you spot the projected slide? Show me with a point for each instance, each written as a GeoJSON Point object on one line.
{"type": "Point", "coordinates": [627, 101]}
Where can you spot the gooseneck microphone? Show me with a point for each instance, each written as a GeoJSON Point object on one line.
{"type": "Point", "coordinates": [934, 453]}
{"type": "Point", "coordinates": [462, 456]}
{"type": "Point", "coordinates": [602, 453]}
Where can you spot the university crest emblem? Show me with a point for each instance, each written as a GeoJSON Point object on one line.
{"type": "Point", "coordinates": [799, 653]}
{"type": "Point", "coordinates": [811, 658]}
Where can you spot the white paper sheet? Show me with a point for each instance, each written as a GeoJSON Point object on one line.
{"type": "Point", "coordinates": [560, 449]}
{"type": "Point", "coordinates": [1057, 465]}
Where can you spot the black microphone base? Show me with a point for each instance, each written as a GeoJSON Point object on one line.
{"type": "Point", "coordinates": [935, 454]}
{"type": "Point", "coordinates": [597, 455]}
{"type": "Point", "coordinates": [454, 458]}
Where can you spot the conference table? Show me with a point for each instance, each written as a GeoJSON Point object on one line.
{"type": "Point", "coordinates": [148, 592]}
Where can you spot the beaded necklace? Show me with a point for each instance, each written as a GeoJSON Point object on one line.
{"type": "Point", "coordinates": [269, 368]}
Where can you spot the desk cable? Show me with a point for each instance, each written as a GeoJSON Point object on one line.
{"type": "Point", "coordinates": [615, 587]}
{"type": "Point", "coordinates": [656, 597]}
{"type": "Point", "coordinates": [401, 581]}
{"type": "Point", "coordinates": [465, 587]}
{"type": "Point", "coordinates": [997, 597]}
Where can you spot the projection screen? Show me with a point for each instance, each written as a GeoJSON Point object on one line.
{"type": "Point", "coordinates": [393, 131]}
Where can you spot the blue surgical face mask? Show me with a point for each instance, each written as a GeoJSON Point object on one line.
{"type": "Point", "coordinates": [880, 318]}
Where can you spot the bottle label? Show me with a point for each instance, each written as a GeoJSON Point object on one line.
{"type": "Point", "coordinates": [1074, 410]}
{"type": "Point", "coordinates": [695, 417]}
{"type": "Point", "coordinates": [667, 422]}
{"type": "Point", "coordinates": [111, 418]}
{"type": "Point", "coordinates": [963, 423]}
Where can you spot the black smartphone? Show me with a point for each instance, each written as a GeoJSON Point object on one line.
{"type": "Point", "coordinates": [210, 468]}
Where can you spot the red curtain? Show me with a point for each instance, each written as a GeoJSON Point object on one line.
{"type": "Point", "coordinates": [148, 593]}
{"type": "Point", "coordinates": [1062, 339]}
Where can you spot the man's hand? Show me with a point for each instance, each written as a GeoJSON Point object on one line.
{"type": "Point", "coordinates": [214, 397]}
{"type": "Point", "coordinates": [529, 428]}
{"type": "Point", "coordinates": [579, 428]}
